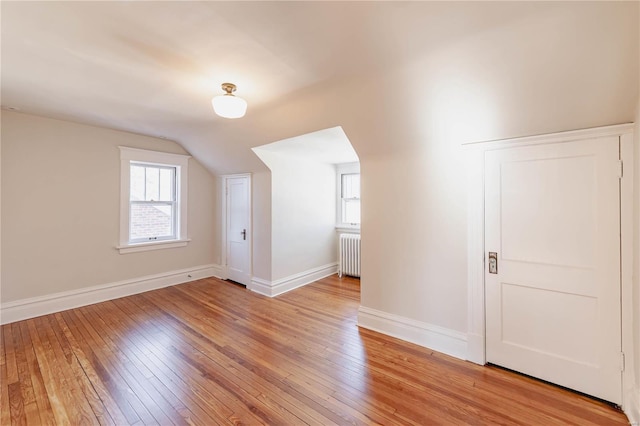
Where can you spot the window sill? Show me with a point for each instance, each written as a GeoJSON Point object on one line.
{"type": "Point", "coordinates": [158, 245]}
{"type": "Point", "coordinates": [348, 229]}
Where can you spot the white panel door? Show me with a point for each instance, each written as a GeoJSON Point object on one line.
{"type": "Point", "coordinates": [552, 216]}
{"type": "Point", "coordinates": [238, 221]}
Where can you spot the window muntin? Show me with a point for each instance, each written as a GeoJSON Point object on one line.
{"type": "Point", "coordinates": [152, 203]}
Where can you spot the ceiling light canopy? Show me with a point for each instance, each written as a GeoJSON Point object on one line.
{"type": "Point", "coordinates": [229, 105]}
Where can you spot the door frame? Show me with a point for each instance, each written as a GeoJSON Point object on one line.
{"type": "Point", "coordinates": [223, 220]}
{"type": "Point", "coordinates": [474, 157]}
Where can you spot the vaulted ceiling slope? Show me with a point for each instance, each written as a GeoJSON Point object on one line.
{"type": "Point", "coordinates": [394, 75]}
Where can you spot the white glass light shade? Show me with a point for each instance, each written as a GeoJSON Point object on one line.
{"type": "Point", "coordinates": [229, 106]}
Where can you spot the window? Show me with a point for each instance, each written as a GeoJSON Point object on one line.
{"type": "Point", "coordinates": [153, 208]}
{"type": "Point", "coordinates": [348, 202]}
{"type": "Point", "coordinates": [350, 195]}
{"type": "Point", "coordinates": [152, 203]}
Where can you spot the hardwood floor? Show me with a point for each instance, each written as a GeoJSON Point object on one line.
{"type": "Point", "coordinates": [210, 352]}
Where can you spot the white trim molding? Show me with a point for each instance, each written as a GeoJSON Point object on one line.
{"type": "Point", "coordinates": [450, 342]}
{"type": "Point", "coordinates": [630, 391]}
{"type": "Point", "coordinates": [347, 230]}
{"type": "Point", "coordinates": [181, 164]}
{"type": "Point", "coordinates": [283, 285]}
{"type": "Point", "coordinates": [632, 407]}
{"type": "Point", "coordinates": [51, 303]}
{"type": "Point", "coordinates": [260, 286]}
{"type": "Point", "coordinates": [158, 245]}
{"type": "Point", "coordinates": [475, 257]}
{"type": "Point", "coordinates": [568, 136]}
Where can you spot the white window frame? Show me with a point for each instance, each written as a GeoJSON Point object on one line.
{"type": "Point", "coordinates": [344, 169]}
{"type": "Point", "coordinates": [165, 159]}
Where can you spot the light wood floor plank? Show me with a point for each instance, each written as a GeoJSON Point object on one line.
{"type": "Point", "coordinates": [212, 353]}
{"type": "Point", "coordinates": [5, 408]}
{"type": "Point", "coordinates": [76, 402]}
{"type": "Point", "coordinates": [53, 382]}
{"type": "Point", "coordinates": [30, 406]}
{"type": "Point", "coordinates": [40, 392]}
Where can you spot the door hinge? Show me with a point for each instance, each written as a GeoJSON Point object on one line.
{"type": "Point", "coordinates": [622, 361]}
{"type": "Point", "coordinates": [620, 169]}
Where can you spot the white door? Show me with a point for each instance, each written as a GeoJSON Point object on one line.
{"type": "Point", "coordinates": [238, 228]}
{"type": "Point", "coordinates": [552, 217]}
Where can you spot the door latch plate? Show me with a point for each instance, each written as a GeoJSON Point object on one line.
{"type": "Point", "coordinates": [493, 262]}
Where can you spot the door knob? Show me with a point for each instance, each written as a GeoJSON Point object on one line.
{"type": "Point", "coordinates": [244, 234]}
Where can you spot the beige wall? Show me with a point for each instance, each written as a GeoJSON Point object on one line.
{"type": "Point", "coordinates": [60, 209]}
{"type": "Point", "coordinates": [636, 244]}
{"type": "Point", "coordinates": [414, 235]}
{"type": "Point", "coordinates": [1, 286]}
{"type": "Point", "coordinates": [261, 212]}
{"type": "Point", "coordinates": [636, 252]}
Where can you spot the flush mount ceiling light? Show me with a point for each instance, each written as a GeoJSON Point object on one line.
{"type": "Point", "coordinates": [229, 105]}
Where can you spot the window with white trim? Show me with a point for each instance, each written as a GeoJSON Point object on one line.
{"type": "Point", "coordinates": [348, 202]}
{"type": "Point", "coordinates": [153, 200]}
{"type": "Point", "coordinates": [350, 198]}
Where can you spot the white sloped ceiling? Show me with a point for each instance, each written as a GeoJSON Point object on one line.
{"type": "Point", "coordinates": [392, 74]}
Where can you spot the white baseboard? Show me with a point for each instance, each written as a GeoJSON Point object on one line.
{"type": "Point", "coordinates": [430, 336]}
{"type": "Point", "coordinates": [475, 349]}
{"type": "Point", "coordinates": [43, 305]}
{"type": "Point", "coordinates": [277, 287]}
{"type": "Point", "coordinates": [260, 286]}
{"type": "Point", "coordinates": [632, 408]}
{"type": "Point", "coordinates": [216, 270]}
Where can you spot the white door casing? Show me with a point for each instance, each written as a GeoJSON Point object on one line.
{"type": "Point", "coordinates": [237, 228]}
{"type": "Point", "coordinates": [552, 215]}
